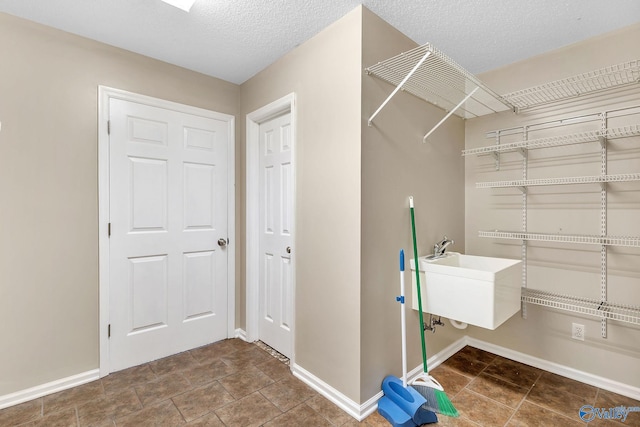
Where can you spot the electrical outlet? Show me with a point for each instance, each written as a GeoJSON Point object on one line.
{"type": "Point", "coordinates": [577, 331]}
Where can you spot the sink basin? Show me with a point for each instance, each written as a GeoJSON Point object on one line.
{"type": "Point", "coordinates": [478, 290]}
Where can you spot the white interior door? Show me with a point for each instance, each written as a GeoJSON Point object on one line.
{"type": "Point", "coordinates": [168, 219]}
{"type": "Point", "coordinates": [276, 234]}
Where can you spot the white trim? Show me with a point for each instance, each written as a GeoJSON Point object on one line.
{"type": "Point", "coordinates": [241, 334]}
{"type": "Point", "coordinates": [275, 108]}
{"type": "Point", "coordinates": [48, 388]}
{"type": "Point", "coordinates": [357, 411]}
{"type": "Point", "coordinates": [555, 368]}
{"type": "Point", "coordinates": [104, 95]}
{"type": "Point", "coordinates": [438, 358]}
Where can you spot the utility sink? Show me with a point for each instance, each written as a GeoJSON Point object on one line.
{"type": "Point", "coordinates": [478, 290]}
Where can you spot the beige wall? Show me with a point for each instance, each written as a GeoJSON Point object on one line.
{"type": "Point", "coordinates": [49, 188]}
{"type": "Point", "coordinates": [395, 165]}
{"type": "Point", "coordinates": [565, 269]}
{"type": "Point", "coordinates": [325, 74]}
{"type": "Point", "coordinates": [352, 182]}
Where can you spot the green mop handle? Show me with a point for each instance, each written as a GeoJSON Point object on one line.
{"type": "Point", "coordinates": [415, 257]}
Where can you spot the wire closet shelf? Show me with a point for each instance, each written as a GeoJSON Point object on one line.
{"type": "Point", "coordinates": [625, 241]}
{"type": "Point", "coordinates": [605, 78]}
{"type": "Point", "coordinates": [432, 76]}
{"type": "Point", "coordinates": [557, 141]}
{"type": "Point", "coordinates": [596, 179]}
{"type": "Point", "coordinates": [602, 309]}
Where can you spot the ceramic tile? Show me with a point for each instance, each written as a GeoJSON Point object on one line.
{"type": "Point", "coordinates": [328, 410]}
{"type": "Point", "coordinates": [450, 380]}
{"type": "Point", "coordinates": [499, 390]}
{"type": "Point", "coordinates": [196, 403]}
{"type": "Point", "coordinates": [250, 411]}
{"type": "Point", "coordinates": [473, 353]}
{"type": "Point", "coordinates": [103, 410]}
{"type": "Point", "coordinates": [199, 375]}
{"type": "Point", "coordinates": [21, 413]}
{"type": "Point", "coordinates": [530, 415]}
{"type": "Point", "coordinates": [464, 365]}
{"type": "Point", "coordinates": [64, 418]}
{"type": "Point", "coordinates": [71, 397]}
{"type": "Point", "coordinates": [609, 399]}
{"type": "Point", "coordinates": [445, 421]}
{"type": "Point", "coordinates": [565, 384]}
{"type": "Point", "coordinates": [201, 386]}
{"type": "Point", "coordinates": [161, 389]}
{"type": "Point", "coordinates": [161, 414]}
{"type": "Point", "coordinates": [287, 393]}
{"type": "Point", "coordinates": [243, 359]}
{"type": "Point", "coordinates": [563, 402]}
{"type": "Point", "coordinates": [127, 378]}
{"type": "Point", "coordinates": [514, 372]}
{"type": "Point", "coordinates": [373, 420]}
{"type": "Point", "coordinates": [209, 420]}
{"type": "Point", "coordinates": [244, 383]}
{"type": "Point", "coordinates": [482, 410]}
{"type": "Point", "coordinates": [274, 369]}
{"type": "Point", "coordinates": [211, 352]}
{"type": "Point", "coordinates": [606, 400]}
{"type": "Point", "coordinates": [301, 415]}
{"type": "Point", "coordinates": [175, 363]}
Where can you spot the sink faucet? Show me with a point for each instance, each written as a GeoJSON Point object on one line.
{"type": "Point", "coordinates": [440, 247]}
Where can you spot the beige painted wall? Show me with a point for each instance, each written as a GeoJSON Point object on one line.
{"type": "Point", "coordinates": [49, 188]}
{"type": "Point", "coordinates": [325, 74]}
{"type": "Point", "coordinates": [395, 165]}
{"type": "Point", "coordinates": [566, 269]}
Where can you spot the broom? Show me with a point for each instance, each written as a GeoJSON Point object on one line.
{"type": "Point", "coordinates": [425, 384]}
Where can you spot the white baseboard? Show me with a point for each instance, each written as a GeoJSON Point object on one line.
{"type": "Point", "coordinates": [48, 388]}
{"type": "Point", "coordinates": [362, 411]}
{"type": "Point", "coordinates": [357, 411]}
{"type": "Point", "coordinates": [241, 333]}
{"type": "Point", "coordinates": [555, 368]}
{"type": "Point", "coordinates": [437, 359]}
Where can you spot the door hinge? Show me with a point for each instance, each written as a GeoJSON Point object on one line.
{"type": "Point", "coordinates": [109, 230]}
{"type": "Point", "coordinates": [108, 127]}
{"type": "Point", "coordinates": [109, 331]}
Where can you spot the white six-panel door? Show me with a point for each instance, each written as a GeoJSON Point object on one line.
{"type": "Point", "coordinates": [168, 215]}
{"type": "Point", "coordinates": [276, 227]}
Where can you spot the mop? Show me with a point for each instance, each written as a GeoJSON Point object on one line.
{"type": "Point", "coordinates": [425, 384]}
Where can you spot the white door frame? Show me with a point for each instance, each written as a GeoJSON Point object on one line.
{"type": "Point", "coordinates": [104, 95]}
{"type": "Point", "coordinates": [283, 105]}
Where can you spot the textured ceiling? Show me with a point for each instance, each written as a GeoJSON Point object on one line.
{"type": "Point", "coordinates": [235, 39]}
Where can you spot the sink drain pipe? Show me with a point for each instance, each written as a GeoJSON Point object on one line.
{"type": "Point", "coordinates": [458, 325]}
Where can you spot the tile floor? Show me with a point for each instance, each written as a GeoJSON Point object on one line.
{"type": "Point", "coordinates": [233, 383]}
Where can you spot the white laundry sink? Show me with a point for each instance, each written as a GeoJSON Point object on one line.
{"type": "Point", "coordinates": [478, 290]}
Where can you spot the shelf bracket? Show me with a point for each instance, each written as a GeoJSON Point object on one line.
{"type": "Point", "coordinates": [603, 141]}
{"type": "Point", "coordinates": [450, 113]}
{"type": "Point", "coordinates": [496, 157]}
{"type": "Point", "coordinates": [402, 83]}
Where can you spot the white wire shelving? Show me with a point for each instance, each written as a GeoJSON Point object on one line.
{"type": "Point", "coordinates": [432, 76]}
{"type": "Point", "coordinates": [605, 78]}
{"type": "Point", "coordinates": [601, 309]}
{"type": "Point", "coordinates": [598, 179]}
{"type": "Point", "coordinates": [556, 141]}
{"type": "Point", "coordinates": [625, 241]}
